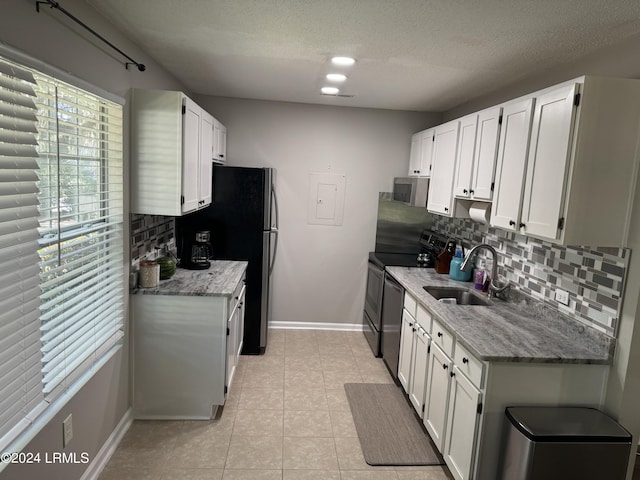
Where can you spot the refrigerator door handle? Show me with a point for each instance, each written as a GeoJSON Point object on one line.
{"type": "Point", "coordinates": [274, 232]}
{"type": "Point", "coordinates": [275, 224]}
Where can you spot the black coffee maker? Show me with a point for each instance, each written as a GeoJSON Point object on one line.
{"type": "Point", "coordinates": [197, 251]}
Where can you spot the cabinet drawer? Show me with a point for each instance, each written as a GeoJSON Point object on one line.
{"type": "Point", "coordinates": [442, 337]}
{"type": "Point", "coordinates": [469, 365]}
{"type": "Point", "coordinates": [236, 296]}
{"type": "Point", "coordinates": [423, 318]}
{"type": "Point", "coordinates": [410, 304]}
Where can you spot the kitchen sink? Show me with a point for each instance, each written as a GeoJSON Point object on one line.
{"type": "Point", "coordinates": [462, 296]}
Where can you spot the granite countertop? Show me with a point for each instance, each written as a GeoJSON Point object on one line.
{"type": "Point", "coordinates": [219, 280]}
{"type": "Point", "coordinates": [519, 330]}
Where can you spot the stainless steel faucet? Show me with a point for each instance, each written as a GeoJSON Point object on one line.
{"type": "Point", "coordinates": [495, 287]}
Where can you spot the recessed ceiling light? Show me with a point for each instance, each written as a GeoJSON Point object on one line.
{"type": "Point", "coordinates": [343, 61]}
{"type": "Point", "coordinates": [330, 90]}
{"type": "Point", "coordinates": [336, 77]}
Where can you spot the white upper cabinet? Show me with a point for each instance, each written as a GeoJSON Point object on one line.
{"type": "Point", "coordinates": [464, 160]}
{"type": "Point", "coordinates": [191, 117]}
{"type": "Point", "coordinates": [206, 165]}
{"type": "Point", "coordinates": [421, 152]}
{"type": "Point", "coordinates": [511, 164]}
{"type": "Point", "coordinates": [443, 166]}
{"type": "Point", "coordinates": [549, 153]}
{"type": "Point", "coordinates": [170, 153]}
{"type": "Point", "coordinates": [486, 154]}
{"type": "Point", "coordinates": [415, 156]}
{"type": "Point", "coordinates": [575, 183]}
{"type": "Point", "coordinates": [219, 150]}
{"type": "Point", "coordinates": [477, 153]}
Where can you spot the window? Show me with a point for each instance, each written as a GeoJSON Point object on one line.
{"type": "Point", "coordinates": [81, 228]}
{"type": "Point", "coordinates": [63, 212]}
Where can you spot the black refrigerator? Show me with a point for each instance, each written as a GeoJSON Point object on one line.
{"type": "Point", "coordinates": [243, 221]}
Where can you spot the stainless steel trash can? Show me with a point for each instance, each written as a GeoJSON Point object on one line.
{"type": "Point", "coordinates": [563, 443]}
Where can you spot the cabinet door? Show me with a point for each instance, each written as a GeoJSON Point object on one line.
{"type": "Point", "coordinates": [415, 157]}
{"type": "Point", "coordinates": [222, 143]}
{"type": "Point", "coordinates": [549, 154]}
{"type": "Point", "coordinates": [219, 141]}
{"type": "Point", "coordinates": [406, 350]}
{"type": "Point", "coordinates": [419, 372]}
{"type": "Point", "coordinates": [437, 398]}
{"type": "Point", "coordinates": [240, 323]}
{"type": "Point", "coordinates": [190, 154]}
{"type": "Point", "coordinates": [443, 164]}
{"type": "Point", "coordinates": [206, 165]}
{"type": "Point", "coordinates": [484, 163]}
{"type": "Point", "coordinates": [462, 426]}
{"type": "Point", "coordinates": [464, 159]}
{"type": "Point", "coordinates": [231, 353]}
{"type": "Point", "coordinates": [511, 164]}
{"type": "Point", "coordinates": [426, 152]}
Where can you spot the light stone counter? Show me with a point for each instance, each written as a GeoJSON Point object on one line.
{"type": "Point", "coordinates": [520, 330]}
{"type": "Point", "coordinates": [219, 280]}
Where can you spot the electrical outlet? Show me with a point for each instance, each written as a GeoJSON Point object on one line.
{"type": "Point", "coordinates": [67, 430]}
{"type": "Point", "coordinates": [562, 296]}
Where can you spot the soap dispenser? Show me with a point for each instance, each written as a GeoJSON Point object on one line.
{"type": "Point", "coordinates": [455, 272]}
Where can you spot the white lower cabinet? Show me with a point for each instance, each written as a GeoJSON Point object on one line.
{"type": "Point", "coordinates": [406, 350]}
{"type": "Point", "coordinates": [465, 408]}
{"type": "Point", "coordinates": [185, 351]}
{"type": "Point", "coordinates": [235, 333]}
{"type": "Point", "coordinates": [437, 399]}
{"type": "Point", "coordinates": [417, 385]}
{"type": "Point", "coordinates": [465, 398]}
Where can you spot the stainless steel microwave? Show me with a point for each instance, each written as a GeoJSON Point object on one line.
{"type": "Point", "coordinates": [411, 190]}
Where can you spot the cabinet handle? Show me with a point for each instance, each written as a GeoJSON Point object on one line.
{"type": "Point", "coordinates": [445, 366]}
{"type": "Point", "coordinates": [522, 225]}
{"type": "Point", "coordinates": [221, 155]}
{"type": "Point", "coordinates": [446, 209]}
{"type": "Point", "coordinates": [439, 334]}
{"type": "Point", "coordinates": [410, 324]}
{"type": "Point", "coordinates": [471, 192]}
{"type": "Point", "coordinates": [511, 222]}
{"type": "Point", "coordinates": [453, 374]}
{"type": "Point", "coordinates": [464, 190]}
{"type": "Point", "coordinates": [413, 329]}
{"type": "Point", "coordinates": [465, 360]}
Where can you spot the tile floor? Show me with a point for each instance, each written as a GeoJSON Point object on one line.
{"type": "Point", "coordinates": [286, 418]}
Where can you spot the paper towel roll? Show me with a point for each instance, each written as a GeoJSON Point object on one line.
{"type": "Point", "coordinates": [480, 212]}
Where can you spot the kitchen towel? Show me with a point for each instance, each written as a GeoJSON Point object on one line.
{"type": "Point", "coordinates": [389, 431]}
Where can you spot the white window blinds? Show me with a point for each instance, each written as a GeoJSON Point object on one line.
{"type": "Point", "coordinates": [81, 230]}
{"type": "Point", "coordinates": [61, 243]}
{"type": "Point", "coordinates": [21, 394]}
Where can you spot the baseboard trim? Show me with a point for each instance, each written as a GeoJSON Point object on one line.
{"type": "Point", "coordinates": [343, 327]}
{"type": "Point", "coordinates": [96, 466]}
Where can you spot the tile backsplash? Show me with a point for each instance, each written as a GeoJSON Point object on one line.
{"type": "Point", "coordinates": [593, 276]}
{"type": "Point", "coordinates": [149, 232]}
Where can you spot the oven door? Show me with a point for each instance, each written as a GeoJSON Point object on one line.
{"type": "Point", "coordinates": [373, 295]}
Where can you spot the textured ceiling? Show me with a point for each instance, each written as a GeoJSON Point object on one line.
{"type": "Point", "coordinates": [428, 55]}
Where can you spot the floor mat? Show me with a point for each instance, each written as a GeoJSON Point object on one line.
{"type": "Point", "coordinates": [389, 432]}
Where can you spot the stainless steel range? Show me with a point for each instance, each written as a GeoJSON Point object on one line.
{"type": "Point", "coordinates": [384, 296]}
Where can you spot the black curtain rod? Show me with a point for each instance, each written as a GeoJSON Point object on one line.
{"type": "Point", "coordinates": [54, 4]}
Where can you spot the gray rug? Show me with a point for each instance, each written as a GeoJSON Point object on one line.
{"type": "Point", "coordinates": [389, 431]}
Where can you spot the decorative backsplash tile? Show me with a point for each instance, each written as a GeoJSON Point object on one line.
{"type": "Point", "coordinates": [594, 277]}
{"type": "Point", "coordinates": [149, 232]}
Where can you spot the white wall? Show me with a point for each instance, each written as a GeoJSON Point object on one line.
{"type": "Point", "coordinates": [101, 403]}
{"type": "Point", "coordinates": [320, 272]}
